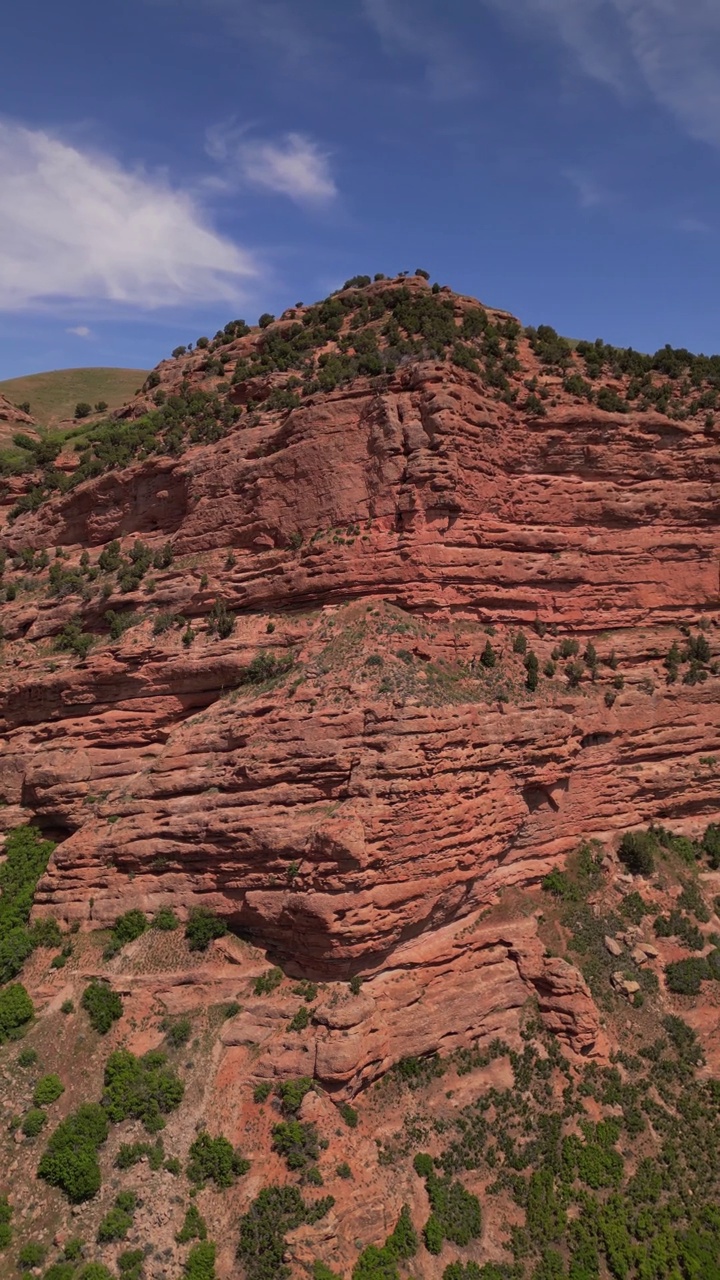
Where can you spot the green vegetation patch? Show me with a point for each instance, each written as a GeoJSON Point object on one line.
{"type": "Point", "coordinates": [145, 1089]}
{"type": "Point", "coordinates": [5, 1220]}
{"type": "Point", "coordinates": [102, 1005]}
{"type": "Point", "coordinates": [119, 1219]}
{"type": "Point", "coordinates": [47, 1090]}
{"type": "Point", "coordinates": [53, 396]}
{"type": "Point", "coordinates": [214, 1160]}
{"type": "Point", "coordinates": [202, 926]}
{"type": "Point", "coordinates": [275, 1212]}
{"type": "Point", "coordinates": [27, 857]}
{"type": "Point", "coordinates": [126, 929]}
{"type": "Point", "coordinates": [16, 1010]}
{"type": "Point", "coordinates": [70, 1160]}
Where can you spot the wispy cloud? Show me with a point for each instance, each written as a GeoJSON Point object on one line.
{"type": "Point", "coordinates": [76, 225]}
{"type": "Point", "coordinates": [404, 28]}
{"type": "Point", "coordinates": [286, 30]}
{"type": "Point", "coordinates": [80, 331]}
{"type": "Point", "coordinates": [293, 165]}
{"type": "Point", "coordinates": [669, 49]}
{"type": "Point", "coordinates": [693, 226]}
{"type": "Point", "coordinates": [591, 193]}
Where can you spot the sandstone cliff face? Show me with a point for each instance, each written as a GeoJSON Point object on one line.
{"type": "Point", "coordinates": [360, 813]}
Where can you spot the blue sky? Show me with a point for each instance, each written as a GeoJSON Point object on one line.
{"type": "Point", "coordinates": [168, 165]}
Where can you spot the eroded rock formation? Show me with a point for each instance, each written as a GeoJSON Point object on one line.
{"type": "Point", "coordinates": [359, 813]}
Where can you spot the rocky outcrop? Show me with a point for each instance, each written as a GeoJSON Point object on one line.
{"type": "Point", "coordinates": [358, 814]}
{"type": "Point", "coordinates": [13, 419]}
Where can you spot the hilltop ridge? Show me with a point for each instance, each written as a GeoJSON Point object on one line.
{"type": "Point", "coordinates": [351, 629]}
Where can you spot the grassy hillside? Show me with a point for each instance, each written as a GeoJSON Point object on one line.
{"type": "Point", "coordinates": [53, 396]}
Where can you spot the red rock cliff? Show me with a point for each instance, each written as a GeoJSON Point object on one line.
{"type": "Point", "coordinates": [359, 812]}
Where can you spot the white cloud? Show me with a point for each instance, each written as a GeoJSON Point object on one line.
{"type": "Point", "coordinates": [293, 165]}
{"type": "Point", "coordinates": [402, 28]}
{"type": "Point", "coordinates": [669, 48]}
{"type": "Point", "coordinates": [77, 226]}
{"type": "Point", "coordinates": [590, 193]}
{"type": "Point", "coordinates": [80, 331]}
{"type": "Point", "coordinates": [693, 226]}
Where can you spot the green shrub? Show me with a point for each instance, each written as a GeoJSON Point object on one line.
{"type": "Point", "coordinates": [70, 1159]}
{"type": "Point", "coordinates": [129, 926]}
{"type": "Point", "coordinates": [130, 1264]}
{"type": "Point", "coordinates": [72, 639]}
{"type": "Point", "coordinates": [637, 851]}
{"type": "Point", "coordinates": [131, 1153]}
{"type": "Point", "coordinates": [221, 622]}
{"type": "Point", "coordinates": [177, 1031]}
{"type": "Point", "coordinates": [118, 1220]}
{"type": "Point", "coordinates": [72, 1249]}
{"type": "Point", "coordinates": [47, 1090]}
{"type": "Point", "coordinates": [633, 907]}
{"type": "Point", "coordinates": [83, 409]}
{"type": "Point", "coordinates": [321, 1272]}
{"type": "Point", "coordinates": [165, 920]}
{"type": "Point", "coordinates": [403, 1243]}
{"type": "Point", "coordinates": [16, 1009]}
{"type": "Point", "coordinates": [5, 1219]}
{"type": "Point", "coordinates": [31, 1254]}
{"type": "Point", "coordinates": [297, 1142]}
{"type": "Point", "coordinates": [681, 926]}
{"type": "Point", "coordinates": [692, 900]}
{"type": "Point", "coordinates": [271, 1215]}
{"type": "Point", "coordinates": [610, 401]}
{"type": "Point", "coordinates": [119, 623]}
{"type": "Point", "coordinates": [599, 1166]}
{"type": "Point", "coordinates": [710, 844]}
{"type": "Point", "coordinates": [292, 1092]}
{"type": "Point", "coordinates": [200, 1264]}
{"type": "Point", "coordinates": [194, 1226]}
{"type": "Point", "coordinates": [102, 1005]}
{"type": "Point", "coordinates": [213, 1160]}
{"type": "Point", "coordinates": [34, 1121]}
{"type": "Point", "coordinates": [557, 883]}
{"type": "Point", "coordinates": [95, 1271]}
{"type": "Point", "coordinates": [262, 1091]}
{"type": "Point", "coordinates": [202, 926]}
{"type": "Point", "coordinates": [144, 1088]}
{"type": "Point", "coordinates": [349, 1115]}
{"type": "Point", "coordinates": [684, 977]}
{"type": "Point", "coordinates": [343, 1170]}
{"type": "Point", "coordinates": [27, 1057]}
{"type": "Point", "coordinates": [165, 621]}
{"type": "Point", "coordinates": [488, 657]}
{"type": "Point", "coordinates": [26, 859]}
{"type": "Point", "coordinates": [433, 1234]}
{"type": "Point", "coordinates": [300, 1020]}
{"type": "Point", "coordinates": [60, 1271]}
{"type": "Point", "coordinates": [457, 1210]}
{"type": "Point", "coordinates": [684, 1039]}
{"type": "Point", "coordinates": [268, 982]}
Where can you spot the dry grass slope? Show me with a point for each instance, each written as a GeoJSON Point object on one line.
{"type": "Point", "coordinates": [53, 395]}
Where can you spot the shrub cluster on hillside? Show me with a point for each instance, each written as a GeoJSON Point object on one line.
{"type": "Point", "coordinates": [27, 856]}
